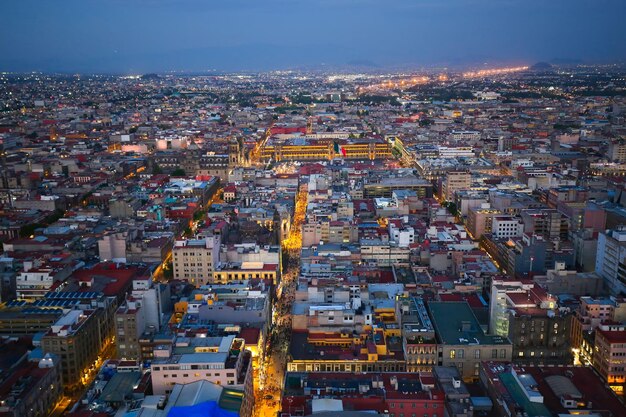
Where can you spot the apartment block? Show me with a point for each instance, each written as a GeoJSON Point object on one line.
{"type": "Point", "coordinates": [194, 260]}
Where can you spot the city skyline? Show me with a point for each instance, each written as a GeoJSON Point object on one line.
{"type": "Point", "coordinates": [190, 35]}
{"type": "Point", "coordinates": [291, 208]}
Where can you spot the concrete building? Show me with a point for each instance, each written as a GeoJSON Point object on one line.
{"type": "Point", "coordinates": [531, 319]}
{"type": "Point", "coordinates": [455, 181]}
{"type": "Point", "coordinates": [609, 357]}
{"type": "Point", "coordinates": [458, 399]}
{"type": "Point", "coordinates": [611, 260]}
{"type": "Point", "coordinates": [143, 310]}
{"type": "Point", "coordinates": [112, 247]}
{"type": "Point", "coordinates": [562, 281]}
{"type": "Point", "coordinates": [31, 388]}
{"type": "Point", "coordinates": [335, 393]}
{"type": "Point", "coordinates": [418, 336]}
{"type": "Point", "coordinates": [196, 395]}
{"type": "Point", "coordinates": [36, 279]}
{"type": "Point", "coordinates": [539, 336]}
{"type": "Point", "coordinates": [228, 365]}
{"type": "Point", "coordinates": [529, 390]}
{"type": "Point", "coordinates": [382, 253]}
{"type": "Point", "coordinates": [403, 235]}
{"type": "Point", "coordinates": [548, 223]}
{"type": "Point", "coordinates": [77, 338]}
{"type": "Point", "coordinates": [461, 340]}
{"type": "Point", "coordinates": [124, 207]}
{"type": "Point", "coordinates": [617, 151]}
{"type": "Point", "coordinates": [504, 227]}
{"type": "Point", "coordinates": [529, 255]}
{"type": "Point", "coordinates": [591, 313]}
{"type": "Point", "coordinates": [225, 272]}
{"type": "Point", "coordinates": [338, 231]}
{"type": "Point", "coordinates": [129, 326]}
{"type": "Point", "coordinates": [480, 220]}
{"type": "Point", "coordinates": [586, 247]}
{"type": "Point", "coordinates": [194, 260]}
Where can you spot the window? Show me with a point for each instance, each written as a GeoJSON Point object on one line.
{"type": "Point", "coordinates": [452, 354]}
{"type": "Point", "coordinates": [502, 353]}
{"type": "Point", "coordinates": [477, 354]}
{"type": "Point", "coordinates": [494, 353]}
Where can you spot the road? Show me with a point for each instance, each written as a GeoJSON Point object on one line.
{"type": "Point", "coordinates": [107, 351]}
{"type": "Point", "coordinates": [272, 364]}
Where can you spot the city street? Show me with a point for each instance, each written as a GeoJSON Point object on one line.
{"type": "Point", "coordinates": [273, 363]}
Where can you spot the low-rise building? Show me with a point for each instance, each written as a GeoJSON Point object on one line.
{"type": "Point", "coordinates": [462, 341]}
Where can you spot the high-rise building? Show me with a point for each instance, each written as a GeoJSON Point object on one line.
{"type": "Point", "coordinates": [194, 260]}
{"type": "Point", "coordinates": [611, 260]}
{"type": "Point", "coordinates": [77, 339]}
{"type": "Point", "coordinates": [549, 223]}
{"type": "Point", "coordinates": [617, 151]}
{"type": "Point", "coordinates": [609, 356]}
{"type": "Point", "coordinates": [455, 181]}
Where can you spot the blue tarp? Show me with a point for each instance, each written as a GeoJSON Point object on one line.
{"type": "Point", "coordinates": [206, 409]}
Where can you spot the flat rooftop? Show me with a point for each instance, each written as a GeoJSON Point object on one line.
{"type": "Point", "coordinates": [456, 324]}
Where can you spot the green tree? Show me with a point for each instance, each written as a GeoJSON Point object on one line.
{"type": "Point", "coordinates": [178, 172]}
{"type": "Point", "coordinates": [156, 169]}
{"type": "Point", "coordinates": [168, 271]}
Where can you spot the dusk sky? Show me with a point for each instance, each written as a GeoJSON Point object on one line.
{"type": "Point", "coordinates": [131, 36]}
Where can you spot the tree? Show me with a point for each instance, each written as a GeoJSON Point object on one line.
{"type": "Point", "coordinates": [452, 208]}
{"type": "Point", "coordinates": [156, 169]}
{"type": "Point", "coordinates": [168, 271]}
{"type": "Point", "coordinates": [178, 172]}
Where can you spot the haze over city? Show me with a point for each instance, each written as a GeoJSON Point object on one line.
{"type": "Point", "coordinates": [322, 208]}
{"type": "Point", "coordinates": [114, 36]}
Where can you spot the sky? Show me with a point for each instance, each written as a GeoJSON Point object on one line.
{"type": "Point", "coordinates": [138, 36]}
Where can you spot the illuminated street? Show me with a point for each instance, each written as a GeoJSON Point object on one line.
{"type": "Point", "coordinates": [268, 390]}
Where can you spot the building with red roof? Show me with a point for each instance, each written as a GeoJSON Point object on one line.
{"type": "Point", "coordinates": [609, 355]}
{"type": "Point", "coordinates": [393, 394]}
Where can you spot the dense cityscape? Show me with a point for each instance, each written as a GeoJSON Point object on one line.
{"type": "Point", "coordinates": [291, 243]}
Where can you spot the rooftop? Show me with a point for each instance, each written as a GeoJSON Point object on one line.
{"type": "Point", "coordinates": [456, 324]}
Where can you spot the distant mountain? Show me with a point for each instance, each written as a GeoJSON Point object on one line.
{"type": "Point", "coordinates": [362, 63]}
{"type": "Point", "coordinates": [150, 76]}
{"type": "Point", "coordinates": [541, 66]}
{"type": "Point", "coordinates": [566, 61]}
